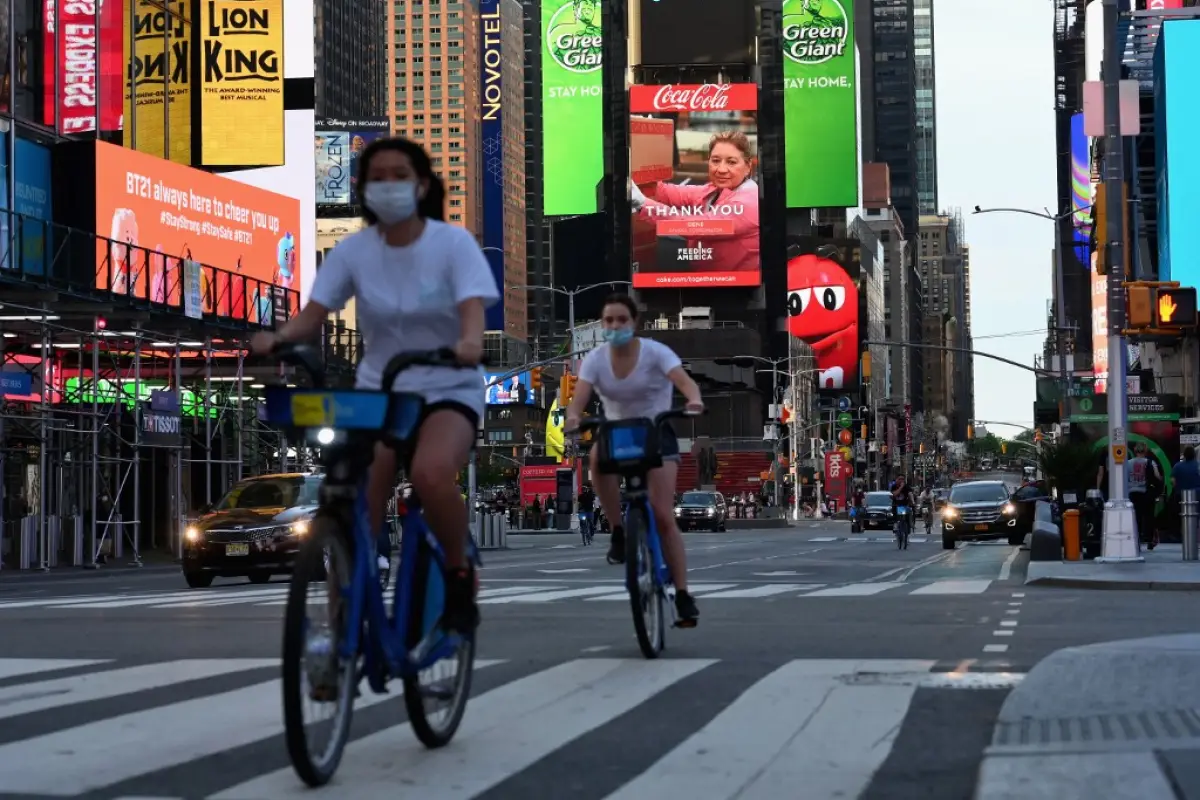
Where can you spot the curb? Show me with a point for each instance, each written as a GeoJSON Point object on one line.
{"type": "Point", "coordinates": [1094, 583]}
{"type": "Point", "coordinates": [12, 577]}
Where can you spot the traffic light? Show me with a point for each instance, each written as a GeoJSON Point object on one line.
{"type": "Point", "coordinates": [1175, 308]}
{"type": "Point", "coordinates": [970, 431]}
{"type": "Point", "coordinates": [566, 390]}
{"type": "Point", "coordinates": [1004, 448]}
{"type": "Point", "coordinates": [1139, 305]}
{"type": "Point", "coordinates": [535, 378]}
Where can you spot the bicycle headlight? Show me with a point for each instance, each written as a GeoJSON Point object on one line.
{"type": "Point", "coordinates": [325, 436]}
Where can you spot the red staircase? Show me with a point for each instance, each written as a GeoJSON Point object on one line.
{"type": "Point", "coordinates": [736, 472]}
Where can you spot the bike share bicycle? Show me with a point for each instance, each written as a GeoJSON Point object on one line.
{"type": "Point", "coordinates": [630, 448]}
{"type": "Point", "coordinates": [370, 640]}
{"type": "Point", "coordinates": [903, 527]}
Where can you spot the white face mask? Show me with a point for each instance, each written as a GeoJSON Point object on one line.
{"type": "Point", "coordinates": [391, 201]}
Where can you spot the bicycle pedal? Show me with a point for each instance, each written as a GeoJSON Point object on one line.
{"type": "Point", "coordinates": [686, 623]}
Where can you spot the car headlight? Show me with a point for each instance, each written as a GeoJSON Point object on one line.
{"type": "Point", "coordinates": [1009, 508]}
{"type": "Point", "coordinates": [191, 533]}
{"type": "Point", "coordinates": [712, 512]}
{"type": "Point", "coordinates": [300, 527]}
{"type": "Point", "coordinates": [949, 512]}
{"type": "Point", "coordinates": [678, 511]}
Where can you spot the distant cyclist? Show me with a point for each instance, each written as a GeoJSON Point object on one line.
{"type": "Point", "coordinates": [902, 495]}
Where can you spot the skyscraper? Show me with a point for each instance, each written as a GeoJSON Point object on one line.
{"type": "Point", "coordinates": [894, 82]}
{"type": "Point", "coordinates": [456, 86]}
{"type": "Point", "coordinates": [927, 194]}
{"type": "Point", "coordinates": [350, 49]}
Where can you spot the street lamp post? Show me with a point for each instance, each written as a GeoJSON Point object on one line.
{"type": "Point", "coordinates": [570, 295]}
{"type": "Point", "coordinates": [1060, 309]}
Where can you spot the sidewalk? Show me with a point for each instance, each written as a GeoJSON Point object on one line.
{"type": "Point", "coordinates": [1114, 721]}
{"type": "Point", "coordinates": [152, 561]}
{"type": "Point", "coordinates": [1163, 569]}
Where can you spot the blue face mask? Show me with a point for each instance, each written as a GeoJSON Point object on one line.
{"type": "Point", "coordinates": [618, 336]}
{"type": "Point", "coordinates": [391, 201]}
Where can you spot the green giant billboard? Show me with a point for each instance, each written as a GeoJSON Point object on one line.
{"type": "Point", "coordinates": [572, 106]}
{"type": "Point", "coordinates": [820, 103]}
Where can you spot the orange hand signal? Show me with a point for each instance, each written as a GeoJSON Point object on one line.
{"type": "Point", "coordinates": [1166, 308]}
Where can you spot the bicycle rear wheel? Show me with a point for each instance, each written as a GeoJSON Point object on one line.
{"type": "Point", "coordinates": [312, 669]}
{"type": "Point", "coordinates": [646, 597]}
{"type": "Point", "coordinates": [435, 710]}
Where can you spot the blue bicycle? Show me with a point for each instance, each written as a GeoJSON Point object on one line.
{"type": "Point", "coordinates": [903, 527]}
{"type": "Point", "coordinates": [364, 638]}
{"type": "Point", "coordinates": [630, 448]}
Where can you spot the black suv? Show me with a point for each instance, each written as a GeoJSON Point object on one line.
{"type": "Point", "coordinates": [980, 511]}
{"type": "Point", "coordinates": [254, 531]}
{"type": "Point", "coordinates": [700, 510]}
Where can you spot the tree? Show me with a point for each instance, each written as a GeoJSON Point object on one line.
{"type": "Point", "coordinates": [985, 445]}
{"type": "Point", "coordinates": [1024, 436]}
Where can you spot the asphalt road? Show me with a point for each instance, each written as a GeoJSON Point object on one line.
{"type": "Point", "coordinates": [823, 660]}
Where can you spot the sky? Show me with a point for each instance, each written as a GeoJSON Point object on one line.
{"type": "Point", "coordinates": [995, 134]}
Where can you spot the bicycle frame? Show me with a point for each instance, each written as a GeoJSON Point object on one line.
{"type": "Point", "coordinates": [661, 573]}
{"type": "Point", "coordinates": [386, 639]}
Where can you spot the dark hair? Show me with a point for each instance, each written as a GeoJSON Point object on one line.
{"type": "Point", "coordinates": [1189, 453]}
{"type": "Point", "coordinates": [622, 300]}
{"type": "Point", "coordinates": [433, 204]}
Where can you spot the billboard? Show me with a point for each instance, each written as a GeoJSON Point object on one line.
{"type": "Point", "coordinates": [820, 103]}
{"type": "Point", "coordinates": [180, 212]}
{"type": "Point", "coordinates": [507, 391]}
{"type": "Point", "coordinates": [572, 107]}
{"type": "Point", "coordinates": [824, 307]}
{"type": "Point", "coordinates": [329, 233]}
{"type": "Point", "coordinates": [241, 83]}
{"type": "Point", "coordinates": [81, 42]}
{"type": "Point", "coordinates": [693, 154]}
{"type": "Point", "coordinates": [675, 32]}
{"type": "Point", "coordinates": [1177, 110]}
{"type": "Point", "coordinates": [338, 145]}
{"type": "Point", "coordinates": [491, 133]}
{"type": "Point", "coordinates": [1081, 185]}
{"type": "Point", "coordinates": [157, 100]}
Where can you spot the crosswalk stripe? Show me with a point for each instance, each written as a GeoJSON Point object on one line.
{"type": "Point", "coordinates": [855, 590]}
{"type": "Point", "coordinates": [697, 589]}
{"type": "Point", "coordinates": [549, 709]}
{"type": "Point", "coordinates": [824, 539]}
{"type": "Point", "coordinates": [17, 700]}
{"type": "Point", "coordinates": [226, 599]}
{"type": "Point", "coordinates": [158, 738]}
{"type": "Point", "coordinates": [16, 667]}
{"type": "Point", "coordinates": [49, 601]}
{"type": "Point", "coordinates": [800, 726]}
{"type": "Point", "coordinates": [173, 599]}
{"type": "Point", "coordinates": [547, 597]}
{"type": "Point", "coordinates": [764, 590]}
{"type": "Point", "coordinates": [955, 587]}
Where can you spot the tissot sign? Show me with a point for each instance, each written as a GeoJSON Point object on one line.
{"type": "Point", "coordinates": [693, 97]}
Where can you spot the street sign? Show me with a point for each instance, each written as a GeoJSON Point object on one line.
{"type": "Point", "coordinates": [843, 403]}
{"type": "Point", "coordinates": [844, 420]}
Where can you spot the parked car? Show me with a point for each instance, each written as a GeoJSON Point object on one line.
{"type": "Point", "coordinates": [254, 531]}
{"type": "Point", "coordinates": [701, 510]}
{"type": "Point", "coordinates": [980, 511]}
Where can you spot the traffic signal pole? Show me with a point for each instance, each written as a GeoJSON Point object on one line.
{"type": "Point", "coordinates": [1120, 543]}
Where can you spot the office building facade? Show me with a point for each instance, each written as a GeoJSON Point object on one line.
{"type": "Point", "coordinates": [926, 107]}
{"type": "Point", "coordinates": [351, 49]}
{"type": "Point", "coordinates": [894, 88]}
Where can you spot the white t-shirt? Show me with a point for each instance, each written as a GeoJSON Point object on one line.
{"type": "Point", "coordinates": [645, 392]}
{"type": "Point", "coordinates": [407, 299]}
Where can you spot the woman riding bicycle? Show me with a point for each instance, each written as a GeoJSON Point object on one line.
{"type": "Point", "coordinates": [421, 285]}
{"type": "Point", "coordinates": [634, 378]}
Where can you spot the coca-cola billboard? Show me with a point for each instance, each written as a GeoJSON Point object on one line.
{"type": "Point", "coordinates": [82, 72]}
{"type": "Point", "coordinates": [693, 167]}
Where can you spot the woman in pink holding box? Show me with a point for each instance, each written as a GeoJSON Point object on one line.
{"type": "Point", "coordinates": [719, 219]}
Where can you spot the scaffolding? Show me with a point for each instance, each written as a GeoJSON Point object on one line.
{"type": "Point", "coordinates": [123, 432]}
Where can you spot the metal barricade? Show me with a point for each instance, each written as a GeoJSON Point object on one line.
{"type": "Point", "coordinates": [491, 531]}
{"type": "Point", "coordinates": [1189, 515]}
{"type": "Point", "coordinates": [27, 543]}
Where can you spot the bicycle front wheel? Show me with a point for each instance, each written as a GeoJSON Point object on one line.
{"type": "Point", "coordinates": [646, 596]}
{"type": "Point", "coordinates": [313, 672]}
{"type": "Point", "coordinates": [436, 696]}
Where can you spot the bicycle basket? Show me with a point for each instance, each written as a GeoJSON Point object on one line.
{"type": "Point", "coordinates": [628, 445]}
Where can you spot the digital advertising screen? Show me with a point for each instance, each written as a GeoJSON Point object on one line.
{"type": "Point", "coordinates": [177, 212]}
{"type": "Point", "coordinates": [241, 83]}
{"type": "Point", "coordinates": [824, 307]}
{"type": "Point", "coordinates": [513, 390]}
{"type": "Point", "coordinates": [572, 107]}
{"type": "Point", "coordinates": [338, 145]}
{"type": "Point", "coordinates": [820, 104]}
{"type": "Point", "coordinates": [677, 32]}
{"type": "Point", "coordinates": [693, 160]}
{"type": "Point", "coordinates": [158, 49]}
{"type": "Point", "coordinates": [1177, 111]}
{"type": "Point", "coordinates": [83, 67]}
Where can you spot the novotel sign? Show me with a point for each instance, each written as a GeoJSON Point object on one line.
{"type": "Point", "coordinates": [491, 131]}
{"type": "Point", "coordinates": [491, 79]}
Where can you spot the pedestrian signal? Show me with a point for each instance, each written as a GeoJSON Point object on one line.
{"type": "Point", "coordinates": [1175, 308]}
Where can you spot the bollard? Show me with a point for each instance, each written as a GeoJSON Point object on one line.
{"type": "Point", "coordinates": [1188, 517]}
{"type": "Point", "coordinates": [1070, 534]}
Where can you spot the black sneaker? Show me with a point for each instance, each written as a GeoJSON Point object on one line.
{"type": "Point", "coordinates": [616, 546]}
{"type": "Point", "coordinates": [685, 610]}
{"type": "Point", "coordinates": [460, 614]}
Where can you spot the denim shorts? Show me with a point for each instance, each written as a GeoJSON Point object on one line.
{"type": "Point", "coordinates": [668, 443]}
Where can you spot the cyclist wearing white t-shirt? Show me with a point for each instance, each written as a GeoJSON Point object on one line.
{"type": "Point", "coordinates": [635, 378]}
{"type": "Point", "coordinates": [420, 284]}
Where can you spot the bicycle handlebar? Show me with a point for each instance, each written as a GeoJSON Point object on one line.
{"type": "Point", "coordinates": [594, 423]}
{"type": "Point", "coordinates": [305, 356]}
{"type": "Point", "coordinates": [308, 358]}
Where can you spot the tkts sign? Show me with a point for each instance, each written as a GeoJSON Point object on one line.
{"type": "Point", "coordinates": [694, 97]}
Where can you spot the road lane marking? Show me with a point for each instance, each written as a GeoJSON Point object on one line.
{"type": "Point", "coordinates": [15, 667]}
{"type": "Point", "coordinates": [1006, 567]}
{"type": "Point", "coordinates": [1002, 633]}
{"type": "Point", "coordinates": [1008, 623]}
{"type": "Point", "coordinates": [955, 587]}
{"type": "Point", "coordinates": [995, 648]}
{"type": "Point", "coordinates": [855, 590]}
{"type": "Point", "coordinates": [765, 590]}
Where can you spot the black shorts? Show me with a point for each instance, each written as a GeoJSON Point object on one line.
{"type": "Point", "coordinates": [449, 405]}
